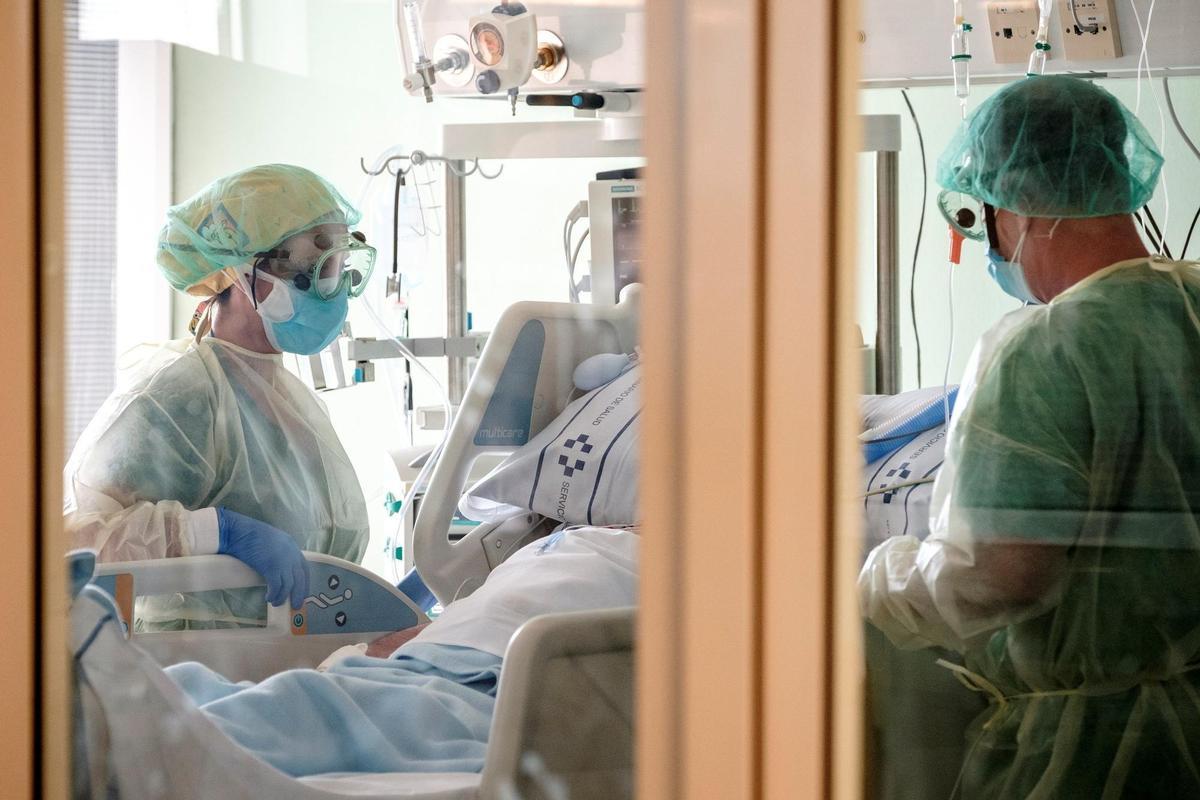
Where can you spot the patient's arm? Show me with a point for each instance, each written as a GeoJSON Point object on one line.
{"type": "Point", "coordinates": [384, 646]}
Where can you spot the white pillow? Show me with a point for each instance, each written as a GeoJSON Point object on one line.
{"type": "Point", "coordinates": [889, 422]}
{"type": "Point", "coordinates": [581, 469]}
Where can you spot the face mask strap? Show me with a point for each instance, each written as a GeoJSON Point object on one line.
{"type": "Point", "coordinates": [260, 262]}
{"type": "Point", "coordinates": [201, 322]}
{"type": "Point", "coordinates": [1024, 233]}
{"type": "Point", "coordinates": [1016, 256]}
{"type": "Point", "coordinates": [249, 285]}
{"type": "Point", "coordinates": [254, 282]}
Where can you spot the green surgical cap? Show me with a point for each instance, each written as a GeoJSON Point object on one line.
{"type": "Point", "coordinates": [233, 218]}
{"type": "Point", "coordinates": [1053, 146]}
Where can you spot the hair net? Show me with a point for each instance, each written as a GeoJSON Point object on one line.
{"type": "Point", "coordinates": [227, 222]}
{"type": "Point", "coordinates": [1053, 146]}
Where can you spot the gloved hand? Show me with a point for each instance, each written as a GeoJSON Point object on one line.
{"type": "Point", "coordinates": [268, 551]}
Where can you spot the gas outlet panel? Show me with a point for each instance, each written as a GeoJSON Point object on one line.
{"type": "Point", "coordinates": [1012, 29]}
{"type": "Point", "coordinates": [1095, 37]}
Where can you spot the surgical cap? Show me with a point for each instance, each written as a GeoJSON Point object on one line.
{"type": "Point", "coordinates": [1053, 146]}
{"type": "Point", "coordinates": [232, 219]}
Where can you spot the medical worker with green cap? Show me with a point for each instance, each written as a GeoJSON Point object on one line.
{"type": "Point", "coordinates": [213, 446]}
{"type": "Point", "coordinates": [1063, 562]}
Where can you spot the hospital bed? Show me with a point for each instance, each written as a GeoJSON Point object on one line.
{"type": "Point", "coordinates": [567, 678]}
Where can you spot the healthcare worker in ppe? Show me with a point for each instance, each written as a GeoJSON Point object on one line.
{"type": "Point", "coordinates": [1064, 555]}
{"type": "Point", "coordinates": [213, 446]}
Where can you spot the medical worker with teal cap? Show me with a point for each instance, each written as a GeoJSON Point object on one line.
{"type": "Point", "coordinates": [1064, 558]}
{"type": "Point", "coordinates": [212, 446]}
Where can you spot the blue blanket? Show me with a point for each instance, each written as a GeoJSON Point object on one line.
{"type": "Point", "coordinates": [426, 709]}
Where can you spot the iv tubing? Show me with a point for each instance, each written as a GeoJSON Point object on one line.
{"type": "Point", "coordinates": [912, 281]}
{"type": "Point", "coordinates": [427, 470]}
{"type": "Point", "coordinates": [1183, 134]}
{"type": "Point", "coordinates": [949, 351]}
{"type": "Point", "coordinates": [1144, 61]}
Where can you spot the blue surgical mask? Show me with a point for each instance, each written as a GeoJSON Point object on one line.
{"type": "Point", "coordinates": [1010, 275]}
{"type": "Point", "coordinates": [299, 322]}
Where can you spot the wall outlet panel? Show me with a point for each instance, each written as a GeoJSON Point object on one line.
{"type": "Point", "coordinates": [1081, 45]}
{"type": "Point", "coordinates": [902, 48]}
{"type": "Point", "coordinates": [1012, 29]}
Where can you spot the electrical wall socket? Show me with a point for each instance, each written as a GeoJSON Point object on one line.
{"type": "Point", "coordinates": [1080, 44]}
{"type": "Point", "coordinates": [1013, 30]}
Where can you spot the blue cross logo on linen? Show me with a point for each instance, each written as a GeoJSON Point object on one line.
{"type": "Point", "coordinates": [904, 472]}
{"type": "Point", "coordinates": [564, 461]}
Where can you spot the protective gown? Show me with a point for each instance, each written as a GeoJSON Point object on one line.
{"type": "Point", "coordinates": [205, 425]}
{"type": "Point", "coordinates": [1064, 558]}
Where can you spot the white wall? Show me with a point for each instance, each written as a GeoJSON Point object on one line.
{"type": "Point", "coordinates": [978, 302]}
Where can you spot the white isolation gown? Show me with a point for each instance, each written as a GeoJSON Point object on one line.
{"type": "Point", "coordinates": [197, 426]}
{"type": "Point", "coordinates": [1064, 557]}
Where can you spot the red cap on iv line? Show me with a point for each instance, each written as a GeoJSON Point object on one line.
{"type": "Point", "coordinates": [956, 243]}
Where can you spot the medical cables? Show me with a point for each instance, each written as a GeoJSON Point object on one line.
{"type": "Point", "coordinates": [912, 281]}
{"type": "Point", "coordinates": [892, 487]}
{"type": "Point", "coordinates": [395, 284]}
{"type": "Point", "coordinates": [426, 470]}
{"type": "Point", "coordinates": [1187, 139]}
{"type": "Point", "coordinates": [950, 349]}
{"type": "Point", "coordinates": [1144, 63]}
{"type": "Point", "coordinates": [1188, 239]}
{"type": "Point", "coordinates": [1143, 59]}
{"type": "Point", "coordinates": [1158, 238]}
{"type": "Point", "coordinates": [1155, 244]}
{"type": "Point", "coordinates": [1175, 118]}
{"type": "Point", "coordinates": [571, 254]}
{"type": "Point", "coordinates": [1093, 28]}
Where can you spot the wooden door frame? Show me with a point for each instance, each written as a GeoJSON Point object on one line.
{"type": "Point", "coordinates": [35, 703]}
{"type": "Point", "coordinates": [749, 676]}
{"type": "Point", "coordinates": [54, 730]}
{"type": "Point", "coordinates": [19, 418]}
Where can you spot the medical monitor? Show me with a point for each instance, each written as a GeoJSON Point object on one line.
{"type": "Point", "coordinates": [615, 216]}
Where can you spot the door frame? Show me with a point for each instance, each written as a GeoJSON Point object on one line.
{"type": "Point", "coordinates": [749, 666]}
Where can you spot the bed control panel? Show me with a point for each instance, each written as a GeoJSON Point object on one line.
{"type": "Point", "coordinates": [343, 599]}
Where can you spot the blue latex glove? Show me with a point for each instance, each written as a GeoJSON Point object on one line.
{"type": "Point", "coordinates": [268, 551]}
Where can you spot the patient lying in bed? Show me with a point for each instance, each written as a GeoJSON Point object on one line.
{"type": "Point", "coordinates": [427, 707]}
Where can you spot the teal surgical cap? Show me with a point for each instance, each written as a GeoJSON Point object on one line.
{"type": "Point", "coordinates": [1053, 146]}
{"type": "Point", "coordinates": [232, 219]}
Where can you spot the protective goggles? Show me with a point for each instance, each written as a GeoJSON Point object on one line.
{"type": "Point", "coordinates": [345, 263]}
{"type": "Point", "coordinates": [964, 213]}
